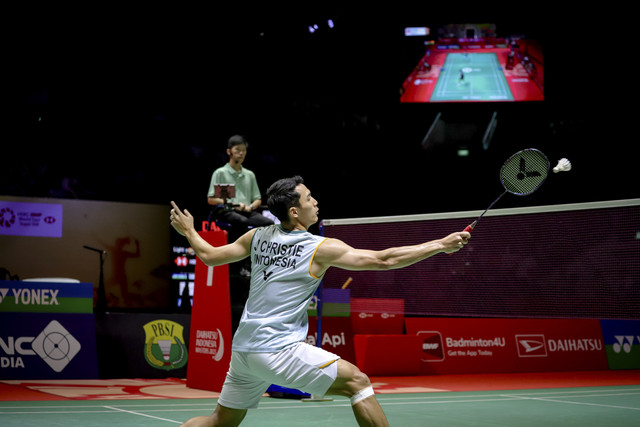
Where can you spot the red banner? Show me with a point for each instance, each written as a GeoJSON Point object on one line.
{"type": "Point", "coordinates": [337, 336]}
{"type": "Point", "coordinates": [466, 346]}
{"type": "Point", "coordinates": [210, 335]}
{"type": "Point", "coordinates": [377, 315]}
{"type": "Point", "coordinates": [388, 355]}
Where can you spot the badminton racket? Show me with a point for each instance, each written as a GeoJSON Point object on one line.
{"type": "Point", "coordinates": [522, 174]}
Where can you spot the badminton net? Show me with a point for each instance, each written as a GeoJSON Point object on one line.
{"type": "Point", "coordinates": [564, 261]}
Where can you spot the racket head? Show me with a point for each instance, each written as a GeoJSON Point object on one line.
{"type": "Point", "coordinates": [524, 172]}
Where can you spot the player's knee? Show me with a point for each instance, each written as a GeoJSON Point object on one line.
{"type": "Point", "coordinates": [361, 387]}
{"type": "Point", "coordinates": [360, 380]}
{"type": "Point", "coordinates": [351, 380]}
{"type": "Point", "coordinates": [364, 391]}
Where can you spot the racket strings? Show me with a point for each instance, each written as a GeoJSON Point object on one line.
{"type": "Point", "coordinates": [524, 172]}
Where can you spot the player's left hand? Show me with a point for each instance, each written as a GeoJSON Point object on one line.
{"type": "Point", "coordinates": [180, 221]}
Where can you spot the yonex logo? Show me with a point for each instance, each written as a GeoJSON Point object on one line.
{"type": "Point", "coordinates": [531, 346]}
{"type": "Point", "coordinates": [625, 342]}
{"type": "Point", "coordinates": [26, 296]}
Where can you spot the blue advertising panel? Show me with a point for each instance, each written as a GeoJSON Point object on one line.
{"type": "Point", "coordinates": [47, 331]}
{"type": "Point", "coordinates": [622, 343]}
{"type": "Point", "coordinates": [47, 346]}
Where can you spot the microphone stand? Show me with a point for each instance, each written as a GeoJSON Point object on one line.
{"type": "Point", "coordinates": [101, 304]}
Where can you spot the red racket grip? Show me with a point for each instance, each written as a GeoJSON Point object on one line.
{"type": "Point", "coordinates": [469, 228]}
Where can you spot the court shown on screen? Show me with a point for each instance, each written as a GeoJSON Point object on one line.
{"type": "Point", "coordinates": [477, 70]}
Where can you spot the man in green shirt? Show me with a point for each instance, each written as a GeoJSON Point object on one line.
{"type": "Point", "coordinates": [241, 211]}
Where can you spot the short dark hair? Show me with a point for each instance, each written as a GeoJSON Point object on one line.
{"type": "Point", "coordinates": [237, 140]}
{"type": "Point", "coordinates": [282, 195]}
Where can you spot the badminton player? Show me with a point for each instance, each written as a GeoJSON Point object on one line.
{"type": "Point", "coordinates": [461, 78]}
{"type": "Point", "coordinates": [288, 263]}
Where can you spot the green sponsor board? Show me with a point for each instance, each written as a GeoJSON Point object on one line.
{"type": "Point", "coordinates": [336, 309]}
{"type": "Point", "coordinates": [623, 359]}
{"type": "Point", "coordinates": [45, 297]}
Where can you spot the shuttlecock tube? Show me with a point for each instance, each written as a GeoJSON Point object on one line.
{"type": "Point", "coordinates": [563, 165]}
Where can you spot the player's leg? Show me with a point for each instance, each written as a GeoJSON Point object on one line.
{"type": "Point", "coordinates": [241, 391]}
{"type": "Point", "coordinates": [319, 372]}
{"type": "Point", "coordinates": [354, 384]}
{"type": "Point", "coordinates": [222, 416]}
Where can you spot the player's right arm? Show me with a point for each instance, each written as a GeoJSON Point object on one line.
{"type": "Point", "coordinates": [182, 222]}
{"type": "Point", "coordinates": [336, 253]}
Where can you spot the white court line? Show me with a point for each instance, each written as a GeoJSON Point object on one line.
{"type": "Point", "coordinates": [145, 407]}
{"type": "Point", "coordinates": [578, 394]}
{"type": "Point", "coordinates": [54, 412]}
{"type": "Point", "coordinates": [546, 399]}
{"type": "Point", "coordinates": [445, 398]}
{"type": "Point", "coordinates": [299, 405]}
{"type": "Point", "coordinates": [98, 412]}
{"type": "Point", "coordinates": [143, 415]}
{"type": "Point", "coordinates": [498, 78]}
{"type": "Point", "coordinates": [448, 395]}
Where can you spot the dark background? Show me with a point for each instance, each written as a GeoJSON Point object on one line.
{"type": "Point", "coordinates": [143, 102]}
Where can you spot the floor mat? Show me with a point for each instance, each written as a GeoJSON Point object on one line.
{"type": "Point", "coordinates": [485, 382]}
{"type": "Point", "coordinates": [176, 388]}
{"type": "Point", "coordinates": [113, 389]}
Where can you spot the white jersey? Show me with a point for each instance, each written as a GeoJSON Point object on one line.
{"type": "Point", "coordinates": [275, 315]}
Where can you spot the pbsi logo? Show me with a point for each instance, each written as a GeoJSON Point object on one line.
{"type": "Point", "coordinates": [432, 347]}
{"type": "Point", "coordinates": [164, 346]}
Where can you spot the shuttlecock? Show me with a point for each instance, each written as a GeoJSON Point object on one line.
{"type": "Point", "coordinates": [563, 165]}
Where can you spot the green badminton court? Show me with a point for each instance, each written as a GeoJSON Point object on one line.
{"type": "Point", "coordinates": [471, 77]}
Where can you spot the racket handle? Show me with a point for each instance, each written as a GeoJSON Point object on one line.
{"type": "Point", "coordinates": [469, 228]}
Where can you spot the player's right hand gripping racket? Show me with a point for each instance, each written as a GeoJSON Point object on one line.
{"type": "Point", "coordinates": [522, 174]}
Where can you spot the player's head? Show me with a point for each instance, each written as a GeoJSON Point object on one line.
{"type": "Point", "coordinates": [282, 195]}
